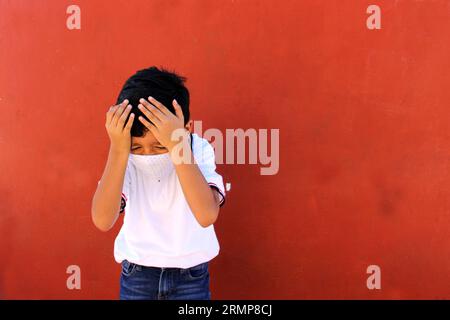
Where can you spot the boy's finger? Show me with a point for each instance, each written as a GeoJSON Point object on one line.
{"type": "Point", "coordinates": [117, 106]}
{"type": "Point", "coordinates": [112, 111]}
{"type": "Point", "coordinates": [119, 112]}
{"type": "Point", "coordinates": [124, 115]}
{"type": "Point", "coordinates": [159, 105]}
{"type": "Point", "coordinates": [148, 125]}
{"type": "Point", "coordinates": [149, 115]}
{"type": "Point", "coordinates": [109, 115]}
{"type": "Point", "coordinates": [178, 111]}
{"type": "Point", "coordinates": [152, 108]}
{"type": "Point", "coordinates": [129, 122]}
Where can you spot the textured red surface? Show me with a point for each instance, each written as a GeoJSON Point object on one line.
{"type": "Point", "coordinates": [364, 140]}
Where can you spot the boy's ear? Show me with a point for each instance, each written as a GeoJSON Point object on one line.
{"type": "Point", "coordinates": [189, 125]}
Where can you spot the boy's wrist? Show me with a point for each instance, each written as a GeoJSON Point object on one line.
{"type": "Point", "coordinates": [118, 151]}
{"type": "Point", "coordinates": [182, 137]}
{"type": "Point", "coordinates": [180, 151]}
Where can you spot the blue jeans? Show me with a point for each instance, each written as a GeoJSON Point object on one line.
{"type": "Point", "coordinates": [152, 283]}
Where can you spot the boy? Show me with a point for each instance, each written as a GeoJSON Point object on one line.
{"type": "Point", "coordinates": [169, 204]}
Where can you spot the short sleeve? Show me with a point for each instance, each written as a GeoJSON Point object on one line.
{"type": "Point", "coordinates": [204, 156]}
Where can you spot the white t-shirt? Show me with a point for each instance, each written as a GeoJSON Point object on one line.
{"type": "Point", "coordinates": [159, 228]}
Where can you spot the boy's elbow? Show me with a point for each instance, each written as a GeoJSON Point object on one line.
{"type": "Point", "coordinates": [100, 224]}
{"type": "Point", "coordinates": [212, 217]}
{"type": "Point", "coordinates": [103, 227]}
{"type": "Point", "coordinates": [205, 224]}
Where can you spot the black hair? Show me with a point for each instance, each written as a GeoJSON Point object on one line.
{"type": "Point", "coordinates": [161, 84]}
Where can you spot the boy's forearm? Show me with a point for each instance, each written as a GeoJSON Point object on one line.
{"type": "Point", "coordinates": [106, 200]}
{"type": "Point", "coordinates": [197, 192]}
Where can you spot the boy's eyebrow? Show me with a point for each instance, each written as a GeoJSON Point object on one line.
{"type": "Point", "coordinates": [154, 144]}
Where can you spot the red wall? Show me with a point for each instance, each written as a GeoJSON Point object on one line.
{"type": "Point", "coordinates": [364, 140]}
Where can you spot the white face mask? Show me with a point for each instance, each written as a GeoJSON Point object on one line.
{"type": "Point", "coordinates": [156, 166]}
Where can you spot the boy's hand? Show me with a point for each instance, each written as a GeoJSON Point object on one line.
{"type": "Point", "coordinates": [119, 134]}
{"type": "Point", "coordinates": [164, 121]}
